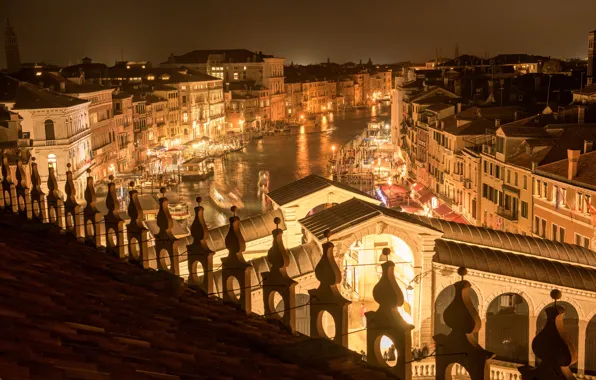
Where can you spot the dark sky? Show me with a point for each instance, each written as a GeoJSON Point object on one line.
{"type": "Point", "coordinates": [303, 31]}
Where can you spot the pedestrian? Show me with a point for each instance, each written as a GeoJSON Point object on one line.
{"type": "Point", "coordinates": [391, 354]}
{"type": "Point", "coordinates": [363, 314]}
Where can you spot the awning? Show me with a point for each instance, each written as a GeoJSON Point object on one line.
{"type": "Point", "coordinates": [425, 196]}
{"type": "Point", "coordinates": [442, 210]}
{"type": "Point", "coordinates": [454, 217]}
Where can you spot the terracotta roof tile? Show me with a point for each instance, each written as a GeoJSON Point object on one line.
{"type": "Point", "coordinates": [69, 311]}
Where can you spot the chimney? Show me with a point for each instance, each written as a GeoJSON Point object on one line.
{"type": "Point", "coordinates": [588, 146]}
{"type": "Point", "coordinates": [497, 123]}
{"type": "Point", "coordinates": [581, 114]}
{"type": "Point", "coordinates": [573, 158]}
{"type": "Point", "coordinates": [62, 86]}
{"type": "Point", "coordinates": [515, 115]}
{"type": "Point", "coordinates": [534, 166]}
{"type": "Point", "coordinates": [458, 107]}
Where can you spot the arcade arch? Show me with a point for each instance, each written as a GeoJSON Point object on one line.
{"type": "Point", "coordinates": [507, 328]}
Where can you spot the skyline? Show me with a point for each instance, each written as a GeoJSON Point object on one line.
{"type": "Point", "coordinates": [385, 30]}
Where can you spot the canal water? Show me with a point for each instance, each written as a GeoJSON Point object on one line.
{"type": "Point", "coordinates": [287, 158]}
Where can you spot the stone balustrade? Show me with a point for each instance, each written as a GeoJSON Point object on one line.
{"type": "Point", "coordinates": [457, 352]}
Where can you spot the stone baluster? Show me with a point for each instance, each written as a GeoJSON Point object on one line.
{"type": "Point", "coordinates": [460, 346]}
{"type": "Point", "coordinates": [277, 281]}
{"type": "Point", "coordinates": [92, 218]}
{"type": "Point", "coordinates": [114, 223]}
{"type": "Point", "coordinates": [38, 197]}
{"type": "Point", "coordinates": [327, 298]}
{"type": "Point", "coordinates": [200, 256]}
{"type": "Point", "coordinates": [9, 192]}
{"type": "Point", "coordinates": [166, 244]}
{"type": "Point", "coordinates": [236, 268]}
{"type": "Point", "coordinates": [54, 200]}
{"type": "Point", "coordinates": [552, 346]}
{"type": "Point", "coordinates": [72, 209]}
{"type": "Point", "coordinates": [23, 192]}
{"type": "Point", "coordinates": [387, 321]}
{"type": "Point", "coordinates": [138, 234]}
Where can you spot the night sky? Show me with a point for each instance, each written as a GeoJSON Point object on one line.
{"type": "Point", "coordinates": [303, 31]}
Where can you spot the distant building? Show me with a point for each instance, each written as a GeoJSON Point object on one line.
{"type": "Point", "coordinates": [237, 65]}
{"type": "Point", "coordinates": [591, 56]}
{"type": "Point", "coordinates": [11, 48]}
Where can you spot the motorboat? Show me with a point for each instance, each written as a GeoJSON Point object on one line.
{"type": "Point", "coordinates": [197, 169]}
{"type": "Point", "coordinates": [179, 211]}
{"type": "Point", "coordinates": [225, 197]}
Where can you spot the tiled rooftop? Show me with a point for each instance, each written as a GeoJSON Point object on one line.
{"type": "Point", "coordinates": [305, 186]}
{"type": "Point", "coordinates": [68, 311]}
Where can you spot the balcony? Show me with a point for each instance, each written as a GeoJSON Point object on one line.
{"type": "Point", "coordinates": [488, 149]}
{"type": "Point", "coordinates": [50, 142]}
{"type": "Point", "coordinates": [507, 214]}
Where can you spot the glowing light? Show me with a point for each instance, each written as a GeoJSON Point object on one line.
{"type": "Point", "coordinates": [302, 117]}
{"type": "Point", "coordinates": [38, 73]}
{"type": "Point", "coordinates": [195, 146]}
{"type": "Point", "coordinates": [333, 148]}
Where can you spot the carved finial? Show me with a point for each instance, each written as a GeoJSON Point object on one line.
{"type": "Point", "coordinates": [162, 190]}
{"type": "Point", "coordinates": [556, 295]}
{"type": "Point", "coordinates": [387, 292]}
{"type": "Point", "coordinates": [68, 166]}
{"type": "Point", "coordinates": [234, 209]}
{"type": "Point", "coordinates": [199, 200]}
{"type": "Point", "coordinates": [462, 271]}
{"type": "Point", "coordinates": [88, 171]}
{"type": "Point", "coordinates": [327, 234]}
{"type": "Point", "coordinates": [111, 177]}
{"type": "Point", "coordinates": [33, 159]}
{"type": "Point", "coordinates": [386, 252]}
{"type": "Point", "coordinates": [131, 184]}
{"type": "Point", "coordinates": [553, 346]}
{"type": "Point", "coordinates": [460, 346]}
{"type": "Point", "coordinates": [277, 221]}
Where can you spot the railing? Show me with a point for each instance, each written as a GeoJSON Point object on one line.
{"type": "Point", "coordinates": [488, 149]}
{"type": "Point", "coordinates": [50, 142]}
{"type": "Point", "coordinates": [507, 214]}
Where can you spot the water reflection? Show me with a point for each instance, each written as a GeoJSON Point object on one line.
{"type": "Point", "coordinates": [286, 157]}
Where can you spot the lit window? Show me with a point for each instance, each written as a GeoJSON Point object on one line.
{"type": "Point", "coordinates": [245, 68]}
{"type": "Point", "coordinates": [52, 163]}
{"type": "Point", "coordinates": [235, 76]}
{"type": "Point", "coordinates": [185, 117]}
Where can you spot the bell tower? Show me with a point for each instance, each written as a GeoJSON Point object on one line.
{"type": "Point", "coordinates": [11, 48]}
{"type": "Point", "coordinates": [591, 56]}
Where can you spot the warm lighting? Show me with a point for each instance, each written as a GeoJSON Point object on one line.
{"type": "Point", "coordinates": [128, 67]}
{"type": "Point", "coordinates": [333, 148]}
{"type": "Point", "coordinates": [38, 73]}
{"type": "Point", "coordinates": [195, 146]}
{"type": "Point", "coordinates": [302, 117]}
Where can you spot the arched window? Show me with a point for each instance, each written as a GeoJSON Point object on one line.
{"type": "Point", "coordinates": [591, 348]}
{"type": "Point", "coordinates": [49, 127]}
{"type": "Point", "coordinates": [507, 328]}
{"type": "Point", "coordinates": [52, 162]}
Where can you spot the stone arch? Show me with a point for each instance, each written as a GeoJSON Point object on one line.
{"type": "Point", "coordinates": [509, 289]}
{"type": "Point", "coordinates": [590, 363]}
{"type": "Point", "coordinates": [572, 319]}
{"type": "Point", "coordinates": [442, 300]}
{"type": "Point", "coordinates": [348, 240]}
{"type": "Point", "coordinates": [49, 129]}
{"type": "Point", "coordinates": [475, 287]}
{"type": "Point", "coordinates": [570, 300]}
{"type": "Point", "coordinates": [303, 313]}
{"type": "Point", "coordinates": [507, 327]}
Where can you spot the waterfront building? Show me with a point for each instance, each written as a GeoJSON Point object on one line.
{"type": "Point", "coordinates": [57, 125]}
{"type": "Point", "coordinates": [240, 65]}
{"type": "Point", "coordinates": [564, 207]}
{"type": "Point", "coordinates": [123, 124]}
{"type": "Point", "coordinates": [293, 99]}
{"type": "Point", "coordinates": [345, 89]}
